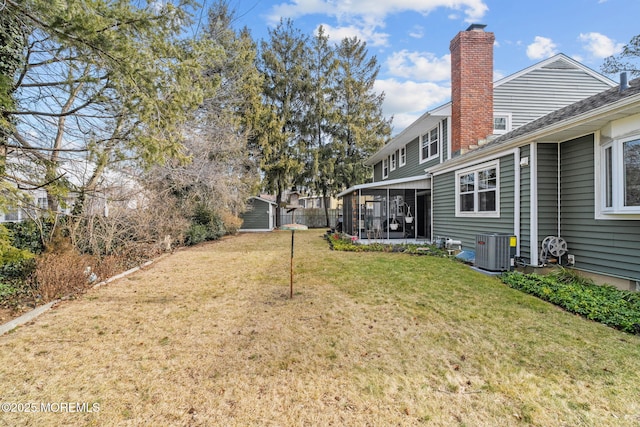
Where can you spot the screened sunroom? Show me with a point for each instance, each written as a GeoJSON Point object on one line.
{"type": "Point", "coordinates": [388, 210]}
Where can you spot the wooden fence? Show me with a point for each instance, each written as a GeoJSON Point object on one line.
{"type": "Point", "coordinates": [312, 218]}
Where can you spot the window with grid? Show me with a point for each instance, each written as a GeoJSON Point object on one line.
{"type": "Point", "coordinates": [477, 191]}
{"type": "Point", "coordinates": [403, 155]}
{"type": "Point", "coordinates": [620, 177]}
{"type": "Point", "coordinates": [429, 144]}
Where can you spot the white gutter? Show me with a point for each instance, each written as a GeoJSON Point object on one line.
{"type": "Point", "coordinates": [516, 200]}
{"type": "Point", "coordinates": [385, 184]}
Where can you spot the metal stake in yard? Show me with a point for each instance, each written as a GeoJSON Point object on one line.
{"type": "Point", "coordinates": [293, 232]}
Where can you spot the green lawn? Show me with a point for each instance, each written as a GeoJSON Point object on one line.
{"type": "Point", "coordinates": [208, 336]}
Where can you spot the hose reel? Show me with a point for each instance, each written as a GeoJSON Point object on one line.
{"type": "Point", "coordinates": [553, 247]}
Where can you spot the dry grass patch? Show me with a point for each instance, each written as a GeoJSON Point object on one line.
{"type": "Point", "coordinates": [208, 336]}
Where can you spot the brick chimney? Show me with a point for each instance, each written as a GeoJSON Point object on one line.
{"type": "Point", "coordinates": [471, 88]}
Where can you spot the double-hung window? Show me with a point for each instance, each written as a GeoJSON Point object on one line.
{"type": "Point", "coordinates": [392, 160]}
{"type": "Point", "coordinates": [429, 144]}
{"type": "Point", "coordinates": [403, 155]}
{"type": "Point", "coordinates": [385, 167]}
{"type": "Point", "coordinates": [620, 178]}
{"type": "Point", "coordinates": [478, 191]}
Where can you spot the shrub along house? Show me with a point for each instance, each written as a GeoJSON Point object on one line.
{"type": "Point", "coordinates": [544, 152]}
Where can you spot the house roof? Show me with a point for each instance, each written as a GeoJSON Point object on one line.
{"type": "Point", "coordinates": [592, 104]}
{"type": "Point", "coordinates": [431, 117]}
{"type": "Point", "coordinates": [581, 118]}
{"type": "Point", "coordinates": [263, 199]}
{"type": "Point", "coordinates": [422, 182]}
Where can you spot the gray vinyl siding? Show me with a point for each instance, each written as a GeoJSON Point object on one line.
{"type": "Point", "coordinates": [525, 206]}
{"type": "Point", "coordinates": [413, 167]}
{"type": "Point", "coordinates": [544, 90]}
{"type": "Point", "coordinates": [547, 192]}
{"type": "Point", "coordinates": [377, 172]}
{"type": "Point", "coordinates": [257, 215]}
{"type": "Point", "coordinates": [445, 222]}
{"type": "Point", "coordinates": [603, 246]}
{"type": "Point", "coordinates": [445, 139]}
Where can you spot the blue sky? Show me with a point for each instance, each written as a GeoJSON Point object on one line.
{"type": "Point", "coordinates": [410, 38]}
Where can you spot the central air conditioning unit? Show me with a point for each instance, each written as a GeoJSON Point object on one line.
{"type": "Point", "coordinates": [495, 252]}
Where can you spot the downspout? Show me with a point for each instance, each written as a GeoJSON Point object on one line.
{"type": "Point", "coordinates": [533, 239]}
{"type": "Point", "coordinates": [430, 210]}
{"type": "Point", "coordinates": [516, 200]}
{"type": "Point", "coordinates": [558, 171]}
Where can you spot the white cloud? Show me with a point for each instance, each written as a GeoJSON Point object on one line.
{"type": "Point", "coordinates": [578, 58]}
{"type": "Point", "coordinates": [498, 75]}
{"type": "Point", "coordinates": [417, 32]}
{"type": "Point", "coordinates": [408, 100]}
{"type": "Point", "coordinates": [366, 17]}
{"type": "Point", "coordinates": [367, 34]}
{"type": "Point", "coordinates": [295, 9]}
{"type": "Point", "coordinates": [599, 45]}
{"type": "Point", "coordinates": [419, 66]}
{"type": "Point", "coordinates": [541, 48]}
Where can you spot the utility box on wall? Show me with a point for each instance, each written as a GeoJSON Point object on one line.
{"type": "Point", "coordinates": [495, 252]}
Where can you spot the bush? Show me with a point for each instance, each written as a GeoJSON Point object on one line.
{"type": "Point", "coordinates": [231, 222]}
{"type": "Point", "coordinates": [60, 274]}
{"type": "Point", "coordinates": [195, 234]}
{"type": "Point", "coordinates": [339, 242]}
{"type": "Point", "coordinates": [605, 304]}
{"type": "Point", "coordinates": [16, 266]}
{"type": "Point", "coordinates": [206, 225]}
{"type": "Point", "coordinates": [29, 235]}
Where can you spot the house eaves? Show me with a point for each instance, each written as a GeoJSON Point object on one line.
{"type": "Point", "coordinates": [578, 119]}
{"type": "Point", "coordinates": [262, 199]}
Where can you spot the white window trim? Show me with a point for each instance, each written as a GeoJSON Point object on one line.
{"type": "Point", "coordinates": [508, 124]}
{"type": "Point", "coordinates": [617, 211]}
{"type": "Point", "coordinates": [385, 168]}
{"type": "Point", "coordinates": [393, 160]}
{"type": "Point", "coordinates": [402, 160]}
{"type": "Point", "coordinates": [476, 168]}
{"type": "Point", "coordinates": [428, 132]}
